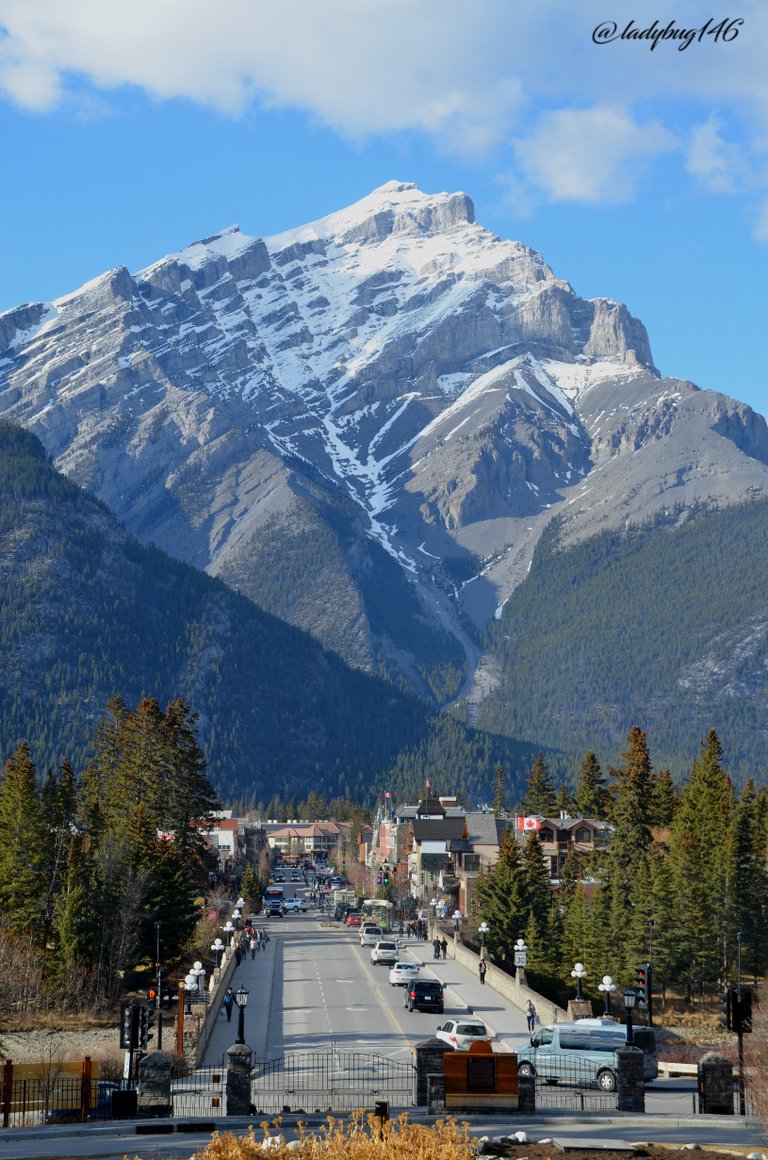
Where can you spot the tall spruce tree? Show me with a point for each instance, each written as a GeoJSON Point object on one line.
{"type": "Point", "coordinates": [540, 797]}
{"type": "Point", "coordinates": [591, 797]}
{"type": "Point", "coordinates": [698, 852]}
{"type": "Point", "coordinates": [23, 846]}
{"type": "Point", "coordinates": [503, 899]}
{"type": "Point", "coordinates": [626, 874]}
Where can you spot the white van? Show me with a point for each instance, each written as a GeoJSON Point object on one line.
{"type": "Point", "coordinates": [578, 1054]}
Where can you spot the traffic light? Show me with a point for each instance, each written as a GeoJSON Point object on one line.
{"type": "Point", "coordinates": [146, 1025]}
{"type": "Point", "coordinates": [741, 1011]}
{"type": "Point", "coordinates": [378, 879]}
{"type": "Point", "coordinates": [129, 1026]}
{"type": "Point", "coordinates": [642, 984]}
{"type": "Point", "coordinates": [385, 878]}
{"type": "Point", "coordinates": [726, 1009]}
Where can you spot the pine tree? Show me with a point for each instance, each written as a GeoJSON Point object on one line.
{"type": "Point", "coordinates": [499, 807]}
{"type": "Point", "coordinates": [626, 873]}
{"type": "Point", "coordinates": [665, 798]}
{"type": "Point", "coordinates": [591, 798]}
{"type": "Point", "coordinates": [540, 795]}
{"type": "Point", "coordinates": [24, 846]}
{"type": "Point", "coordinates": [503, 900]}
{"type": "Point", "coordinates": [699, 869]}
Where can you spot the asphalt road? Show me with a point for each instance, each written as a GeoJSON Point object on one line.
{"type": "Point", "coordinates": [314, 985]}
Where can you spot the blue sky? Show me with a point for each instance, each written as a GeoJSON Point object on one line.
{"type": "Point", "coordinates": [638, 167]}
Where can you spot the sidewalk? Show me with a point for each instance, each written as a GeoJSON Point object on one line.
{"type": "Point", "coordinates": [465, 994]}
{"type": "Point", "coordinates": [257, 976]}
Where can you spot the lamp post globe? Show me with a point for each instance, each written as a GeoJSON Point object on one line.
{"type": "Point", "coordinates": [578, 973]}
{"type": "Point", "coordinates": [217, 946]}
{"type": "Point", "coordinates": [483, 930]}
{"type": "Point", "coordinates": [190, 985]}
{"type": "Point", "coordinates": [607, 987]}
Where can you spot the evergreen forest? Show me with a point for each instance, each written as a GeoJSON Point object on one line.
{"type": "Point", "coordinates": [665, 624]}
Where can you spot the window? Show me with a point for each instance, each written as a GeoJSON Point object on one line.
{"type": "Point", "coordinates": [471, 862]}
{"type": "Point", "coordinates": [584, 835]}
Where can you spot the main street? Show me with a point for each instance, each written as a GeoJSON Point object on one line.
{"type": "Point", "coordinates": [314, 986]}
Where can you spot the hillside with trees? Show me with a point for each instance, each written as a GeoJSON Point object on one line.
{"type": "Point", "coordinates": [665, 624]}
{"type": "Point", "coordinates": [88, 613]}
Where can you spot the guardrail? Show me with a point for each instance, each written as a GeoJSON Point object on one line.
{"type": "Point", "coordinates": [667, 1068]}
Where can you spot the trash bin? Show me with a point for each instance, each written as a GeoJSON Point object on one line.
{"type": "Point", "coordinates": [124, 1104]}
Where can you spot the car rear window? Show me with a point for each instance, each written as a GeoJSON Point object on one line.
{"type": "Point", "coordinates": [471, 1029]}
{"type": "Point", "coordinates": [385, 946]}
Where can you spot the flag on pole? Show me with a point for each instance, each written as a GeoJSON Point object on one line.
{"type": "Point", "coordinates": [528, 823]}
{"type": "Point", "coordinates": [428, 784]}
{"type": "Point", "coordinates": [387, 794]}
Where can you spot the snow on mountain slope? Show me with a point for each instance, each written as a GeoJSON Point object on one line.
{"type": "Point", "coordinates": [437, 387]}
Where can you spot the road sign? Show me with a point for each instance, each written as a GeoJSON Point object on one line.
{"type": "Point", "coordinates": [521, 958]}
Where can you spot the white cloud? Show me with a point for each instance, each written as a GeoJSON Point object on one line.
{"type": "Point", "coordinates": [716, 162]}
{"type": "Point", "coordinates": [470, 77]}
{"type": "Point", "coordinates": [595, 155]}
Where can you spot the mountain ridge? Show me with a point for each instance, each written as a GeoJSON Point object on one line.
{"type": "Point", "coordinates": [393, 376]}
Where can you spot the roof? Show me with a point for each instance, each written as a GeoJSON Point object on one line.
{"type": "Point", "coordinates": [435, 829]}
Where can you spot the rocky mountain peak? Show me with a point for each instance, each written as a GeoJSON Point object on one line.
{"type": "Point", "coordinates": [394, 374]}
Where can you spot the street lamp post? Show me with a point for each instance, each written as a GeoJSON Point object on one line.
{"type": "Point", "coordinates": [198, 970]}
{"type": "Point", "coordinates": [217, 946]}
{"type": "Point", "coordinates": [190, 985]}
{"type": "Point", "coordinates": [241, 1001]}
{"type": "Point", "coordinates": [229, 930]}
{"type": "Point", "coordinates": [578, 973]}
{"type": "Point", "coordinates": [630, 998]}
{"type": "Point", "coordinates": [521, 958]}
{"type": "Point", "coordinates": [483, 930]}
{"type": "Point", "coordinates": [607, 987]}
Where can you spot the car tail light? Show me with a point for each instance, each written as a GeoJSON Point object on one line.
{"type": "Point", "coordinates": [452, 1039]}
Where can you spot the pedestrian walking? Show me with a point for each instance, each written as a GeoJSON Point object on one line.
{"type": "Point", "coordinates": [530, 1014]}
{"type": "Point", "coordinates": [228, 1003]}
{"type": "Point", "coordinates": [436, 947]}
{"type": "Point", "coordinates": [238, 955]}
{"type": "Point", "coordinates": [444, 946]}
{"type": "Point", "coordinates": [253, 946]}
{"type": "Point", "coordinates": [481, 969]}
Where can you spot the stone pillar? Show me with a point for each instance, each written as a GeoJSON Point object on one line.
{"type": "Point", "coordinates": [715, 1082]}
{"type": "Point", "coordinates": [239, 1060]}
{"type": "Point", "coordinates": [429, 1063]}
{"type": "Point", "coordinates": [630, 1081]}
{"type": "Point", "coordinates": [526, 1095]}
{"type": "Point", "coordinates": [153, 1087]}
{"type": "Point", "coordinates": [435, 1093]}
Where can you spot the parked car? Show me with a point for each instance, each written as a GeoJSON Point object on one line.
{"type": "Point", "coordinates": [462, 1033]}
{"type": "Point", "coordinates": [370, 935]}
{"type": "Point", "coordinates": [353, 918]}
{"type": "Point", "coordinates": [402, 974]}
{"type": "Point", "coordinates": [274, 909]}
{"type": "Point", "coordinates": [384, 952]}
{"type": "Point", "coordinates": [424, 995]}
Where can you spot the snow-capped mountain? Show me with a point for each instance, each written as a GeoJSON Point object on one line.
{"type": "Point", "coordinates": [365, 423]}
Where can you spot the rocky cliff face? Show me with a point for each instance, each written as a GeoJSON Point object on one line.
{"type": "Point", "coordinates": [390, 398]}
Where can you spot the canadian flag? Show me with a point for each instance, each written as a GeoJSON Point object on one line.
{"type": "Point", "coordinates": [428, 784]}
{"type": "Point", "coordinates": [529, 823]}
{"type": "Point", "coordinates": [387, 794]}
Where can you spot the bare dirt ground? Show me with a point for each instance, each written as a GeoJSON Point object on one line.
{"type": "Point", "coordinates": [66, 1044]}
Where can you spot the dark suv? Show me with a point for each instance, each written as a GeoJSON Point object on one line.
{"type": "Point", "coordinates": [424, 995]}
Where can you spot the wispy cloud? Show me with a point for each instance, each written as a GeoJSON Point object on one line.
{"type": "Point", "coordinates": [584, 120]}
{"type": "Point", "coordinates": [595, 155]}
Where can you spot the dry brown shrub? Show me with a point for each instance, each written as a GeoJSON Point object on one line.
{"type": "Point", "coordinates": [361, 1137]}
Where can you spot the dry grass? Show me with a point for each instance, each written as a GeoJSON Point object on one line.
{"type": "Point", "coordinates": [361, 1137]}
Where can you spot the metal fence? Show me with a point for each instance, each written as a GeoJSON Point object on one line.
{"type": "Point", "coordinates": [203, 1092]}
{"type": "Point", "coordinates": [54, 1099]}
{"type": "Point", "coordinates": [330, 1081]}
{"type": "Point", "coordinates": [570, 1081]}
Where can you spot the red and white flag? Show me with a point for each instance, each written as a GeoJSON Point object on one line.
{"type": "Point", "coordinates": [428, 784]}
{"type": "Point", "coordinates": [529, 823]}
{"type": "Point", "coordinates": [387, 794]}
